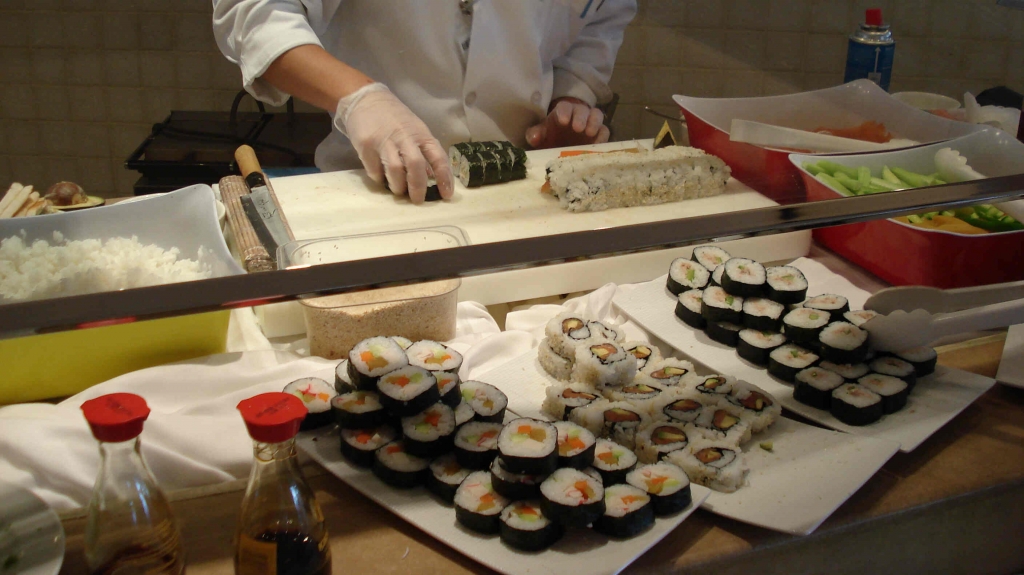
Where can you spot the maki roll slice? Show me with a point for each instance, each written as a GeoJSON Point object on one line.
{"type": "Point", "coordinates": [666, 373]}
{"type": "Point", "coordinates": [684, 406]}
{"type": "Point", "coordinates": [476, 444]}
{"type": "Point", "coordinates": [529, 446]}
{"type": "Point", "coordinates": [743, 277]}
{"type": "Point", "coordinates": [716, 276]}
{"type": "Point", "coordinates": [514, 486]}
{"type": "Point", "coordinates": [408, 390]}
{"type": "Point", "coordinates": [718, 305]}
{"type": "Point", "coordinates": [762, 314]}
{"type": "Point", "coordinates": [854, 404]}
{"type": "Point", "coordinates": [759, 408]}
{"type": "Point", "coordinates": [628, 511]}
{"type": "Point", "coordinates": [843, 342]}
{"type": "Point", "coordinates": [342, 383]}
{"type": "Point", "coordinates": [723, 422]}
{"type": "Point", "coordinates": [448, 387]}
{"type": "Point", "coordinates": [398, 468]}
{"type": "Point", "coordinates": [525, 527]}
{"type": "Point", "coordinates": [643, 352]}
{"type": "Point", "coordinates": [430, 432]}
{"type": "Point", "coordinates": [613, 461]}
{"type": "Point", "coordinates": [457, 151]}
{"type": "Point", "coordinates": [924, 359]}
{"type": "Point", "coordinates": [638, 394]}
{"type": "Point", "coordinates": [359, 410]}
{"type": "Point", "coordinates": [477, 505]}
{"type": "Point", "coordinates": [893, 390]}
{"type": "Point", "coordinates": [715, 464]}
{"type": "Point", "coordinates": [803, 325]}
{"type": "Point", "coordinates": [830, 302]}
{"type": "Point", "coordinates": [850, 372]}
{"type": "Point", "coordinates": [665, 483]}
{"type": "Point", "coordinates": [618, 421]}
{"type": "Point", "coordinates": [814, 386]}
{"type": "Point", "coordinates": [359, 446]}
{"type": "Point", "coordinates": [434, 356]}
{"type": "Point", "coordinates": [402, 341]}
{"type": "Point", "coordinates": [859, 317]}
{"type": "Point", "coordinates": [561, 400]}
{"type": "Point", "coordinates": [723, 332]}
{"type": "Point", "coordinates": [575, 445]}
{"type": "Point", "coordinates": [470, 170]}
{"type": "Point", "coordinates": [756, 346]}
{"type": "Point", "coordinates": [316, 395]}
{"type": "Point", "coordinates": [557, 366]}
{"type": "Point", "coordinates": [785, 284]}
{"type": "Point", "coordinates": [487, 401]}
{"type": "Point", "coordinates": [688, 308]}
{"type": "Point", "coordinates": [710, 256]}
{"type": "Point", "coordinates": [896, 367]}
{"type": "Point", "coordinates": [685, 274]}
{"type": "Point", "coordinates": [786, 361]}
{"type": "Point", "coordinates": [572, 498]}
{"type": "Point", "coordinates": [463, 414]}
{"type": "Point", "coordinates": [372, 358]}
{"type": "Point", "coordinates": [659, 439]}
{"type": "Point", "coordinates": [445, 476]}
{"type": "Point", "coordinates": [604, 364]}
{"type": "Point", "coordinates": [566, 331]}
{"type": "Point", "coordinates": [715, 385]}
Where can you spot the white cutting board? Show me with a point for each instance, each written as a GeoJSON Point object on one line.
{"type": "Point", "coordinates": [346, 203]}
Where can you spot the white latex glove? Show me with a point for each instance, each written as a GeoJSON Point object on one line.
{"type": "Point", "coordinates": [393, 143]}
{"type": "Point", "coordinates": [571, 122]}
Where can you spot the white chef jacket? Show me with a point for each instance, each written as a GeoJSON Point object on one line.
{"type": "Point", "coordinates": [485, 76]}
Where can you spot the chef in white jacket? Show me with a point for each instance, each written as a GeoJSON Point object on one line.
{"type": "Point", "coordinates": [407, 78]}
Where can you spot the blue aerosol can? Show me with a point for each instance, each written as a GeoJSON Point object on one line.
{"type": "Point", "coordinates": [870, 51]}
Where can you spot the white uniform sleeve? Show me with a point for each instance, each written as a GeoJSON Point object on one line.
{"type": "Point", "coordinates": [586, 68]}
{"type": "Point", "coordinates": [254, 33]}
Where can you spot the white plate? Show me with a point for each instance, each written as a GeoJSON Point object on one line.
{"type": "Point", "coordinates": [580, 551]}
{"type": "Point", "coordinates": [935, 400]}
{"type": "Point", "coordinates": [1011, 367]}
{"type": "Point", "coordinates": [808, 474]}
{"type": "Point", "coordinates": [31, 536]}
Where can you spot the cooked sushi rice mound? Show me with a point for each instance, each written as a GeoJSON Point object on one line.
{"type": "Point", "coordinates": [759, 408]}
{"type": "Point", "coordinates": [561, 400]}
{"type": "Point", "coordinates": [660, 438]}
{"type": "Point", "coordinates": [557, 366]}
{"type": "Point", "coordinates": [683, 405]}
{"type": "Point", "coordinates": [595, 182]}
{"type": "Point", "coordinates": [604, 365]}
{"type": "Point", "coordinates": [713, 464]}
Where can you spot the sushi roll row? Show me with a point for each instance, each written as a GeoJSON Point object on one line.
{"type": "Point", "coordinates": [712, 266]}
{"type": "Point", "coordinates": [484, 163]}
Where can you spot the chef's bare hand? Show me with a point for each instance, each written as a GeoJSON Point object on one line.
{"type": "Point", "coordinates": [393, 143]}
{"type": "Point", "coordinates": [571, 122]}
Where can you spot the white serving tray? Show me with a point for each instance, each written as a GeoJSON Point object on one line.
{"type": "Point", "coordinates": [1011, 367]}
{"type": "Point", "coordinates": [579, 551]}
{"type": "Point", "coordinates": [808, 474]}
{"type": "Point", "coordinates": [935, 400]}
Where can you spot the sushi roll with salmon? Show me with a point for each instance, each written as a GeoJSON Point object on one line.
{"type": "Point", "coordinates": [756, 346]}
{"type": "Point", "coordinates": [445, 476]}
{"type": "Point", "coordinates": [359, 409]}
{"type": "Point", "coordinates": [575, 445]}
{"type": "Point", "coordinates": [316, 395]}
{"type": "Point", "coordinates": [722, 423]}
{"type": "Point", "coordinates": [843, 342]}
{"type": "Point", "coordinates": [685, 274]}
{"type": "Point", "coordinates": [787, 360]}
{"type": "Point", "coordinates": [477, 506]}
{"type": "Point", "coordinates": [785, 284]}
{"type": "Point", "coordinates": [408, 390]}
{"type": "Point", "coordinates": [372, 358]}
{"type": "Point", "coordinates": [434, 356]}
{"type": "Point", "coordinates": [476, 444]}
{"type": "Point", "coordinates": [644, 353]}
{"type": "Point", "coordinates": [717, 305]}
{"type": "Point", "coordinates": [360, 445]}
{"type": "Point", "coordinates": [711, 257]}
{"type": "Point", "coordinates": [525, 527]}
{"type": "Point", "coordinates": [667, 373]}
{"type": "Point", "coordinates": [618, 421]}
{"type": "Point", "coordinates": [836, 305]}
{"type": "Point", "coordinates": [803, 325]}
{"type": "Point", "coordinates": [572, 498]}
{"type": "Point", "coordinates": [561, 400]}
{"type": "Point", "coordinates": [743, 277]}
{"type": "Point", "coordinates": [759, 408]}
{"type": "Point", "coordinates": [397, 467]}
{"type": "Point", "coordinates": [628, 512]}
{"type": "Point", "coordinates": [716, 385]}
{"type": "Point", "coordinates": [683, 406]}
{"type": "Point", "coordinates": [665, 483]}
{"type": "Point", "coordinates": [688, 308]}
{"type": "Point", "coordinates": [762, 314]}
{"type": "Point", "coordinates": [659, 439]}
{"type": "Point", "coordinates": [893, 390]}
{"type": "Point", "coordinates": [714, 464]}
{"type": "Point", "coordinates": [604, 364]}
{"type": "Point", "coordinates": [854, 404]}
{"type": "Point", "coordinates": [529, 446]}
{"type": "Point", "coordinates": [487, 401]}
{"type": "Point", "coordinates": [613, 461]}
{"type": "Point", "coordinates": [566, 331]}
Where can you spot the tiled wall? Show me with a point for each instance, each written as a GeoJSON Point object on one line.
{"type": "Point", "coordinates": [81, 81]}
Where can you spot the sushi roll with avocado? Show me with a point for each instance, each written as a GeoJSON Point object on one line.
{"type": "Point", "coordinates": [445, 477]}
{"type": "Point", "coordinates": [717, 305]}
{"type": "Point", "coordinates": [359, 446]}
{"type": "Point", "coordinates": [715, 464]}
{"type": "Point", "coordinates": [397, 467]}
{"type": "Point", "coordinates": [854, 404]}
{"type": "Point", "coordinates": [434, 356]}
{"type": "Point", "coordinates": [787, 360]}
{"type": "Point", "coordinates": [464, 414]}
{"type": "Point", "coordinates": [762, 314]}
{"type": "Point", "coordinates": [575, 445]}
{"type": "Point", "coordinates": [613, 461]}
{"type": "Point", "coordinates": [402, 341]}
{"type": "Point", "coordinates": [684, 405]}
{"type": "Point", "coordinates": [316, 395]}
{"type": "Point", "coordinates": [836, 305]}
{"type": "Point", "coordinates": [604, 364]}
{"type": "Point", "coordinates": [688, 308]}
{"type": "Point", "coordinates": [477, 505]}
{"type": "Point", "coordinates": [666, 373]}
{"type": "Point", "coordinates": [743, 277]}
{"type": "Point", "coordinates": [803, 325]}
{"type": "Point", "coordinates": [924, 359]}
{"type": "Point", "coordinates": [561, 400]}
{"type": "Point", "coordinates": [723, 422]}
{"type": "Point", "coordinates": [715, 385]}
{"type": "Point", "coordinates": [557, 366]}
{"type": "Point", "coordinates": [710, 256]}
{"type": "Point", "coordinates": [525, 527]}
{"type": "Point", "coordinates": [665, 483]}
{"type": "Point", "coordinates": [572, 498]}
{"type": "Point", "coordinates": [716, 276]}
{"type": "Point", "coordinates": [659, 439]}
{"type": "Point", "coordinates": [359, 409]}
{"type": "Point", "coordinates": [514, 486]}
{"type": "Point", "coordinates": [372, 358]}
{"type": "Point", "coordinates": [408, 390]}
{"type": "Point", "coordinates": [643, 352]}
{"type": "Point", "coordinates": [896, 367]}
{"type": "Point", "coordinates": [893, 390]}
{"type": "Point", "coordinates": [785, 284]}
{"type": "Point", "coordinates": [529, 446]}
{"type": "Point", "coordinates": [448, 387]}
{"type": "Point", "coordinates": [476, 444]}
{"type": "Point", "coordinates": [685, 274]}
{"type": "Point", "coordinates": [814, 386]}
{"type": "Point", "coordinates": [628, 512]}
{"type": "Point", "coordinates": [759, 408]}
{"type": "Point", "coordinates": [756, 346]}
{"type": "Point", "coordinates": [431, 432]}
{"type": "Point", "coordinates": [618, 421]}
{"type": "Point", "coordinates": [487, 401]}
{"type": "Point", "coordinates": [843, 342]}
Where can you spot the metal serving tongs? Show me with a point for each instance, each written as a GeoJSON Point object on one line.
{"type": "Point", "coordinates": [937, 313]}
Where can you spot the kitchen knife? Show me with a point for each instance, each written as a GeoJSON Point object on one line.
{"type": "Point", "coordinates": [261, 199]}
{"type": "Point", "coordinates": [259, 225]}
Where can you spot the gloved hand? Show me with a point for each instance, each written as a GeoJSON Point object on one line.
{"type": "Point", "coordinates": [571, 122]}
{"type": "Point", "coordinates": [393, 143]}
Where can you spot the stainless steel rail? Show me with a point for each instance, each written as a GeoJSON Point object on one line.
{"type": "Point", "coordinates": [94, 310]}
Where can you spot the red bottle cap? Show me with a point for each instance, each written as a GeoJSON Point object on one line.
{"type": "Point", "coordinates": [873, 16]}
{"type": "Point", "coordinates": [116, 417]}
{"type": "Point", "coordinates": [272, 417]}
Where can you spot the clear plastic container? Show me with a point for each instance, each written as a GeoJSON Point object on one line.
{"type": "Point", "coordinates": [420, 311]}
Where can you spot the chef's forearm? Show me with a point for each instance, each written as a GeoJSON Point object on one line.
{"type": "Point", "coordinates": [312, 75]}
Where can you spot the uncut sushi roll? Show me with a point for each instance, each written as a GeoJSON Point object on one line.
{"type": "Point", "coordinates": [896, 367]}
{"type": "Point", "coordinates": [666, 373]}
{"type": "Point", "coordinates": [893, 390]}
{"type": "Point", "coordinates": [359, 409]}
{"type": "Point", "coordinates": [643, 352]}
{"type": "Point", "coordinates": [843, 342]}
{"type": "Point", "coordinates": [572, 498]}
{"type": "Point", "coordinates": [618, 421]}
{"type": "Point", "coordinates": [604, 364]}
{"type": "Point", "coordinates": [762, 314]}
{"type": "Point", "coordinates": [529, 446]}
{"type": "Point", "coordinates": [743, 277]}
{"type": "Point", "coordinates": [559, 401]}
{"type": "Point", "coordinates": [514, 486]}
{"type": "Point", "coordinates": [924, 359]}
{"type": "Point", "coordinates": [342, 383]}
{"type": "Point", "coordinates": [431, 432]}
{"type": "Point", "coordinates": [814, 386]}
{"type": "Point", "coordinates": [477, 506]}
{"type": "Point", "coordinates": [434, 356]}
{"type": "Point", "coordinates": [830, 302]}
{"type": "Point", "coordinates": [448, 387]}
{"type": "Point", "coordinates": [613, 461]}
{"type": "Point", "coordinates": [359, 446]}
{"type": "Point", "coordinates": [524, 526]}
{"type": "Point", "coordinates": [787, 360]}
{"type": "Point", "coordinates": [803, 325]}
{"type": "Point", "coordinates": [685, 274]}
{"type": "Point", "coordinates": [665, 483]}
{"type": "Point", "coordinates": [719, 306]}
{"type": "Point", "coordinates": [660, 438]}
{"type": "Point", "coordinates": [487, 401]}
{"type": "Point", "coordinates": [756, 346]}
{"type": "Point", "coordinates": [408, 390]}
{"type": "Point", "coordinates": [628, 512]}
{"type": "Point", "coordinates": [850, 372]}
{"type": "Point", "coordinates": [710, 256]}
{"type": "Point", "coordinates": [723, 332]}
{"type": "Point", "coordinates": [688, 308]}
{"type": "Point", "coordinates": [557, 366]}
{"type": "Point", "coordinates": [316, 395]}
{"type": "Point", "coordinates": [476, 444]}
{"type": "Point", "coordinates": [859, 317]}
{"type": "Point", "coordinates": [683, 406]}
{"type": "Point", "coordinates": [372, 358]}
{"type": "Point", "coordinates": [854, 404]}
{"type": "Point", "coordinates": [785, 284]}
{"type": "Point", "coordinates": [398, 468]}
{"type": "Point", "coordinates": [575, 445]}
{"type": "Point", "coordinates": [445, 476]}
{"type": "Point", "coordinates": [759, 408]}
{"type": "Point", "coordinates": [724, 423]}
{"type": "Point", "coordinates": [714, 464]}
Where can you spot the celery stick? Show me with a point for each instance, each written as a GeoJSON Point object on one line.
{"type": "Point", "coordinates": [947, 213]}
{"type": "Point", "coordinates": [864, 176]}
{"type": "Point", "coordinates": [813, 168]}
{"type": "Point", "coordinates": [914, 219]}
{"type": "Point", "coordinates": [886, 184]}
{"type": "Point", "coordinates": [849, 183]}
{"type": "Point", "coordinates": [833, 183]}
{"type": "Point", "coordinates": [890, 177]}
{"type": "Point", "coordinates": [834, 168]}
{"type": "Point", "coordinates": [913, 180]}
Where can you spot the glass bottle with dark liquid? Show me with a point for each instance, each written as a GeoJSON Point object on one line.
{"type": "Point", "coordinates": [281, 530]}
{"type": "Point", "coordinates": [130, 527]}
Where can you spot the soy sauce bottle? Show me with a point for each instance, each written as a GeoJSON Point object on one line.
{"type": "Point", "coordinates": [281, 530]}
{"type": "Point", "coordinates": [130, 526]}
